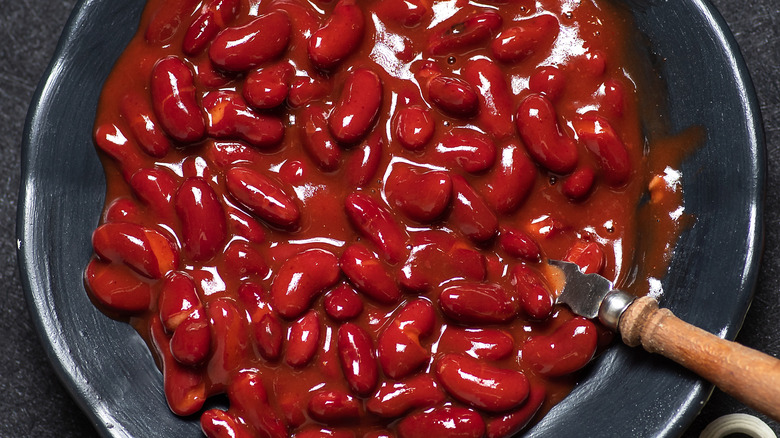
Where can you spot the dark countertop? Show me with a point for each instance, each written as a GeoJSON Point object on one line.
{"type": "Point", "coordinates": [32, 400]}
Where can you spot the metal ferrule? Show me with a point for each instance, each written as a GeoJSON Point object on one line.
{"type": "Point", "coordinates": [612, 307]}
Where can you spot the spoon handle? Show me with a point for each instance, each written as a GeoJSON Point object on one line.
{"type": "Point", "coordinates": [746, 374]}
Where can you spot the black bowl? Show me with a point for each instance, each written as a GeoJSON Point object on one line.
{"type": "Point", "coordinates": [109, 370]}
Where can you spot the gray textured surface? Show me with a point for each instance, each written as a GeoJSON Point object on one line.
{"type": "Point", "coordinates": [32, 400]}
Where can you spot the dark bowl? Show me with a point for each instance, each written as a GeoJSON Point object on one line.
{"type": "Point", "coordinates": [626, 392]}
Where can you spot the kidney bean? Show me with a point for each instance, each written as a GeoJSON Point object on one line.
{"type": "Point", "coordinates": [204, 227]}
{"type": "Point", "coordinates": [408, 13]}
{"type": "Point", "coordinates": [453, 96]}
{"type": "Point", "coordinates": [538, 126]}
{"type": "Point", "coordinates": [587, 255]}
{"type": "Point", "coordinates": [437, 257]}
{"type": "Point", "coordinates": [304, 90]}
{"type": "Point", "coordinates": [482, 343]}
{"type": "Point", "coordinates": [548, 80]}
{"type": "Point", "coordinates": [243, 260]}
{"type": "Point", "coordinates": [303, 340]}
{"type": "Point", "coordinates": [140, 117]}
{"type": "Point", "coordinates": [316, 432]}
{"type": "Point", "coordinates": [117, 287]}
{"type": "Point", "coordinates": [228, 153]}
{"type": "Point", "coordinates": [447, 421]}
{"type": "Point", "coordinates": [248, 396]}
{"type": "Point", "coordinates": [577, 186]}
{"type": "Point", "coordinates": [112, 141]}
{"type": "Point", "coordinates": [178, 300]}
{"type": "Point", "coordinates": [122, 210]}
{"type": "Point", "coordinates": [420, 196]}
{"type": "Point", "coordinates": [481, 385]}
{"type": "Point", "coordinates": [230, 117]}
{"type": "Point", "coordinates": [174, 102]}
{"type": "Point", "coordinates": [473, 151]}
{"type": "Point", "coordinates": [513, 422]}
{"type": "Point", "coordinates": [207, 76]}
{"type": "Point", "coordinates": [364, 162]}
{"type": "Point", "coordinates": [244, 47]}
{"type": "Point", "coordinates": [375, 223]}
{"type": "Point", "coordinates": [146, 251]}
{"type": "Point", "coordinates": [613, 99]}
{"type": "Point", "coordinates": [230, 335]}
{"type": "Point", "coordinates": [495, 98]}
{"type": "Point", "coordinates": [215, 15]}
{"type": "Point", "coordinates": [470, 214]}
{"type": "Point", "coordinates": [600, 138]}
{"type": "Point", "coordinates": [414, 127]}
{"type": "Point", "coordinates": [511, 181]}
{"type": "Point", "coordinates": [525, 38]}
{"type": "Point", "coordinates": [395, 399]}
{"type": "Point", "coordinates": [369, 275]}
{"type": "Point", "coordinates": [357, 107]}
{"type": "Point", "coordinates": [301, 278]}
{"type": "Point", "coordinates": [534, 298]}
{"type": "Point", "coordinates": [450, 37]}
{"type": "Point", "coordinates": [216, 423]}
{"type": "Point", "coordinates": [343, 303]}
{"type": "Point", "coordinates": [166, 20]}
{"type": "Point", "coordinates": [262, 196]}
{"type": "Point", "coordinates": [399, 348]}
{"type": "Point", "coordinates": [269, 336]}
{"type": "Point", "coordinates": [317, 139]}
{"type": "Point", "coordinates": [339, 37]}
{"type": "Point", "coordinates": [333, 406]}
{"type": "Point", "coordinates": [191, 341]}
{"type": "Point", "coordinates": [243, 225]}
{"type": "Point", "coordinates": [268, 87]}
{"type": "Point", "coordinates": [356, 352]}
{"type": "Point", "coordinates": [569, 348]}
{"type": "Point", "coordinates": [184, 388]}
{"type": "Point", "coordinates": [379, 434]}
{"type": "Point", "coordinates": [293, 407]}
{"type": "Point", "coordinates": [592, 63]}
{"type": "Point", "coordinates": [156, 188]}
{"type": "Point", "coordinates": [477, 303]}
{"type": "Point", "coordinates": [517, 243]}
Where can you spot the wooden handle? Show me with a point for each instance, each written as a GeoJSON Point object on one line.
{"type": "Point", "coordinates": [748, 375]}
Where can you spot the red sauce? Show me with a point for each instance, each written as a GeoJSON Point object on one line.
{"type": "Point", "coordinates": [339, 214]}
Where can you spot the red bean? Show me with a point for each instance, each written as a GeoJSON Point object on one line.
{"type": "Point", "coordinates": [414, 127]}
{"type": "Point", "coordinates": [216, 423]}
{"type": "Point", "coordinates": [517, 243]}
{"type": "Point", "coordinates": [477, 303]}
{"type": "Point", "coordinates": [117, 288]}
{"type": "Point", "coordinates": [420, 196]}
{"type": "Point", "coordinates": [525, 38]}
{"type": "Point", "coordinates": [339, 37]}
{"type": "Point", "coordinates": [317, 432]}
{"type": "Point", "coordinates": [204, 227]}
{"type": "Point", "coordinates": [262, 196]}
{"type": "Point", "coordinates": [333, 406]}
{"type": "Point", "coordinates": [448, 421]}
{"type": "Point", "coordinates": [375, 223]}
{"type": "Point", "coordinates": [230, 341]}
{"type": "Point", "coordinates": [230, 117]}
{"type": "Point", "coordinates": [395, 399]}
{"type": "Point", "coordinates": [146, 251]}
{"type": "Point", "coordinates": [358, 363]}
{"type": "Point", "coordinates": [578, 185]}
{"type": "Point", "coordinates": [304, 340]}
{"type": "Point", "coordinates": [228, 153]}
{"type": "Point", "coordinates": [317, 139]}
{"type": "Point", "coordinates": [510, 182]}
{"type": "Point", "coordinates": [357, 107]}
{"type": "Point", "coordinates": [191, 341]}
{"type": "Point", "coordinates": [185, 390]}
{"type": "Point", "coordinates": [364, 162]}
{"type": "Point", "coordinates": [207, 76]}
{"type": "Point", "coordinates": [614, 97]}
{"type": "Point", "coordinates": [481, 385]}
{"type": "Point", "coordinates": [174, 102]}
{"type": "Point", "coordinates": [248, 396]}
{"type": "Point", "coordinates": [214, 16]}
{"type": "Point", "coordinates": [409, 13]}
{"type": "Point", "coordinates": [602, 140]}
{"type": "Point", "coordinates": [538, 126]}
{"type": "Point", "coordinates": [369, 275]}
{"type": "Point", "coordinates": [166, 20]}
{"type": "Point", "coordinates": [549, 81]}
{"type": "Point", "coordinates": [482, 343]}
{"type": "Point", "coordinates": [156, 188]}
{"type": "Point", "coordinates": [301, 278]}
{"type": "Point", "coordinates": [587, 255]}
{"type": "Point", "coordinates": [122, 210]}
{"type": "Point", "coordinates": [399, 348]}
{"type": "Point", "coordinates": [534, 298]}
{"type": "Point", "coordinates": [268, 87]}
{"type": "Point", "coordinates": [453, 96]}
{"type": "Point", "coordinates": [514, 421]}
{"type": "Point", "coordinates": [495, 98]}
{"type": "Point", "coordinates": [269, 336]}
{"type": "Point", "coordinates": [261, 40]}
{"type": "Point", "coordinates": [470, 214]}
{"type": "Point", "coordinates": [143, 123]}
{"type": "Point", "coordinates": [112, 141]}
{"type": "Point", "coordinates": [449, 37]}
{"type": "Point", "coordinates": [565, 351]}
{"type": "Point", "coordinates": [437, 257]}
{"type": "Point", "coordinates": [343, 303]}
{"type": "Point", "coordinates": [304, 90]}
{"type": "Point", "coordinates": [178, 300]}
{"type": "Point", "coordinates": [473, 151]}
{"type": "Point", "coordinates": [243, 225]}
{"type": "Point", "coordinates": [243, 260]}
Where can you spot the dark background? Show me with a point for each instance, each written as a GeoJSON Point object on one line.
{"type": "Point", "coordinates": [32, 400]}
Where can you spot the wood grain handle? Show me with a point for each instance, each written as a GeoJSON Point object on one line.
{"type": "Point", "coordinates": [748, 375]}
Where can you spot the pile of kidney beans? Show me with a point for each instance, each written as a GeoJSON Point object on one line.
{"type": "Point", "coordinates": [338, 213]}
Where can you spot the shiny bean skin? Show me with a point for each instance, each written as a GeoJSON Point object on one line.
{"type": "Point", "coordinates": [230, 341]}
{"type": "Point", "coordinates": [117, 287]}
{"type": "Point", "coordinates": [268, 87]}
{"type": "Point", "coordinates": [445, 422]}
{"type": "Point", "coordinates": [248, 396]}
{"type": "Point", "coordinates": [453, 96]}
{"type": "Point", "coordinates": [511, 180]}
{"type": "Point", "coordinates": [587, 255]}
{"type": "Point", "coordinates": [517, 243]}
{"type": "Point", "coordinates": [600, 138]}
{"type": "Point", "coordinates": [174, 101]}
{"type": "Point", "coordinates": [468, 149]}
{"type": "Point", "coordinates": [144, 125]}
{"type": "Point", "coordinates": [303, 340]}
{"type": "Point", "coordinates": [481, 385]}
{"type": "Point", "coordinates": [377, 225]}
{"type": "Point", "coordinates": [482, 343]}
{"type": "Point", "coordinates": [525, 38]}
{"type": "Point", "coordinates": [578, 185]}
{"type": "Point", "coordinates": [533, 296]}
{"type": "Point", "coordinates": [166, 21]}
{"type": "Point", "coordinates": [414, 127]}
{"type": "Point", "coordinates": [317, 139]}
{"type": "Point", "coordinates": [477, 303]}
{"type": "Point", "coordinates": [156, 188]}
{"type": "Point", "coordinates": [343, 303]}
{"type": "Point", "coordinates": [357, 107]}
{"type": "Point", "coordinates": [204, 226]}
{"type": "Point", "coordinates": [369, 275]}
{"type": "Point", "coordinates": [495, 98]}
{"type": "Point", "coordinates": [216, 423]}
{"type": "Point", "coordinates": [399, 348]}
{"type": "Point", "coordinates": [538, 126]}
{"type": "Point", "coordinates": [144, 250]}
{"type": "Point", "coordinates": [363, 164]}
{"type": "Point", "coordinates": [178, 300]}
{"type": "Point", "coordinates": [420, 196]}
{"type": "Point", "coordinates": [301, 278]}
{"type": "Point", "coordinates": [339, 37]}
{"type": "Point", "coordinates": [356, 352]}
{"type": "Point", "coordinates": [453, 37]}
{"type": "Point", "coordinates": [261, 40]}
{"type": "Point", "coordinates": [191, 341]}
{"type": "Point", "coordinates": [514, 421]}
{"type": "Point", "coordinates": [262, 196]}
{"type": "Point", "coordinates": [333, 406]}
{"type": "Point", "coordinates": [395, 399]}
{"type": "Point", "coordinates": [269, 337]}
{"type": "Point", "coordinates": [230, 117]}
{"type": "Point", "coordinates": [470, 214]}
{"type": "Point", "coordinates": [213, 17]}
{"type": "Point", "coordinates": [565, 351]}
{"type": "Point", "coordinates": [185, 390]}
